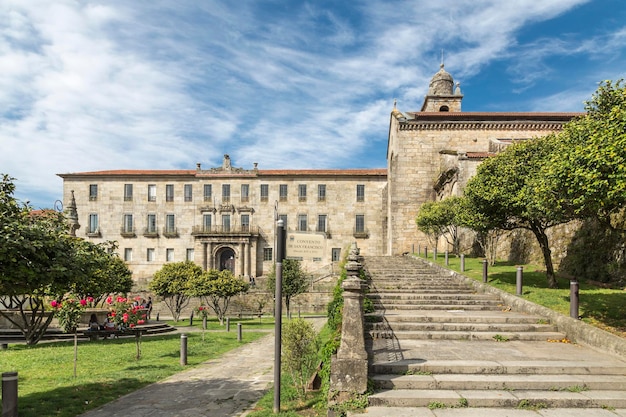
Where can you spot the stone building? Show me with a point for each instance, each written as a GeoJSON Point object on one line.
{"type": "Point", "coordinates": [224, 217]}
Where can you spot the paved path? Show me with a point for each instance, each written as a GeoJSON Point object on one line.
{"type": "Point", "coordinates": [223, 387]}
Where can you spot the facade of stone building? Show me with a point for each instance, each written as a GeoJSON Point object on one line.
{"type": "Point", "coordinates": [224, 217]}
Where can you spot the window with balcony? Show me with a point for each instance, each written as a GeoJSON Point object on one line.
{"type": "Point", "coordinates": [206, 223]}
{"type": "Point", "coordinates": [225, 193]}
{"type": "Point", "coordinates": [92, 228]}
{"type": "Point", "coordinates": [265, 192]}
{"type": "Point", "coordinates": [301, 192]}
{"type": "Point", "coordinates": [170, 226]}
{"type": "Point", "coordinates": [128, 192]}
{"type": "Point", "coordinates": [321, 192]}
{"type": "Point", "coordinates": [128, 229]}
{"type": "Point", "coordinates": [321, 223]}
{"type": "Point", "coordinates": [282, 192]}
{"type": "Point", "coordinates": [152, 192]}
{"type": "Point", "coordinates": [188, 191]}
{"type": "Point", "coordinates": [208, 192]}
{"type": "Point", "coordinates": [302, 223]}
{"type": "Point", "coordinates": [93, 192]}
{"type": "Point", "coordinates": [151, 225]}
{"type": "Point", "coordinates": [169, 192]}
{"type": "Point", "coordinates": [245, 222]}
{"type": "Point", "coordinates": [226, 222]}
{"type": "Point", "coordinates": [360, 192]}
{"type": "Point", "coordinates": [245, 193]}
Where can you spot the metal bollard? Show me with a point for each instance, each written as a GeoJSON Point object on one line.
{"type": "Point", "coordinates": [519, 280]}
{"type": "Point", "coordinates": [484, 270]}
{"type": "Point", "coordinates": [239, 338]}
{"type": "Point", "coordinates": [435, 254]}
{"type": "Point", "coordinates": [157, 318]}
{"type": "Point", "coordinates": [412, 248]}
{"type": "Point", "coordinates": [462, 263]}
{"type": "Point", "coordinates": [9, 394]}
{"type": "Point", "coordinates": [573, 299]}
{"type": "Point", "coordinates": [183, 349]}
{"type": "Point", "coordinates": [228, 324]}
{"type": "Point", "coordinates": [419, 248]}
{"type": "Point", "coordinates": [447, 260]}
{"type": "Point", "coordinates": [426, 252]}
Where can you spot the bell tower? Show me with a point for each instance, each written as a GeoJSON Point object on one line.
{"type": "Point", "coordinates": [441, 97]}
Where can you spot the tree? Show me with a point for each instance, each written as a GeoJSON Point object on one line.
{"type": "Point", "coordinates": [587, 171]}
{"type": "Point", "coordinates": [102, 271]}
{"type": "Point", "coordinates": [35, 262]}
{"type": "Point", "coordinates": [172, 283]}
{"type": "Point", "coordinates": [217, 288]}
{"type": "Point", "coordinates": [294, 281]}
{"type": "Point", "coordinates": [509, 192]}
{"type": "Point", "coordinates": [441, 218]}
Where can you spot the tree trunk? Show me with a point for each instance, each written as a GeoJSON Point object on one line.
{"type": "Point", "coordinates": [542, 238]}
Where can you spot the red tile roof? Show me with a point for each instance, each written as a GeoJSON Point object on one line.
{"type": "Point", "coordinates": [234, 173]}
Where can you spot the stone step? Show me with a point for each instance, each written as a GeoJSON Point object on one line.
{"type": "Point", "coordinates": [432, 296]}
{"type": "Point", "coordinates": [463, 327]}
{"type": "Point", "coordinates": [559, 382]}
{"type": "Point", "coordinates": [483, 412]}
{"type": "Point", "coordinates": [425, 290]}
{"type": "Point", "coordinates": [466, 335]}
{"type": "Point", "coordinates": [425, 306]}
{"type": "Point", "coordinates": [486, 367]}
{"type": "Point", "coordinates": [455, 316]}
{"type": "Point", "coordinates": [499, 398]}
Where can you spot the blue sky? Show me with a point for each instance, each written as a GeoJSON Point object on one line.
{"type": "Point", "coordinates": [163, 84]}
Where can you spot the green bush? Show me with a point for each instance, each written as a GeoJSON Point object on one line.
{"type": "Point", "coordinates": [300, 346]}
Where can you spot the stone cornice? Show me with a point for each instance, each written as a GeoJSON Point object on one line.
{"type": "Point", "coordinates": [481, 125]}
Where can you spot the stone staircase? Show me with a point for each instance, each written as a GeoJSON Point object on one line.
{"type": "Point", "coordinates": [433, 342]}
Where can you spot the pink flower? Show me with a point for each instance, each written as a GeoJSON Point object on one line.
{"type": "Point", "coordinates": [83, 302]}
{"type": "Point", "coordinates": [125, 317]}
{"type": "Point", "coordinates": [121, 299]}
{"type": "Point", "coordinates": [54, 304]}
{"type": "Point", "coordinates": [109, 300]}
{"type": "Point", "coordinates": [132, 325]}
{"type": "Point", "coordinates": [90, 299]}
{"type": "Point", "coordinates": [200, 308]}
{"type": "Point", "coordinates": [140, 322]}
{"type": "Point", "coordinates": [143, 316]}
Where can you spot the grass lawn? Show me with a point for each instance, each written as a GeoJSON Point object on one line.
{"type": "Point", "coordinates": [107, 369]}
{"type": "Point", "coordinates": [601, 307]}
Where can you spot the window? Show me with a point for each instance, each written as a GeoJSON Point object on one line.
{"type": "Point", "coordinates": [128, 254]}
{"type": "Point", "coordinates": [360, 192]}
{"type": "Point", "coordinates": [302, 192]}
{"type": "Point", "coordinates": [225, 193]}
{"type": "Point", "coordinates": [267, 254]}
{"type": "Point", "coordinates": [264, 192]}
{"type": "Point", "coordinates": [128, 192]}
{"type": "Point", "coordinates": [226, 222]}
{"type": "Point", "coordinates": [189, 255]}
{"type": "Point", "coordinates": [321, 223]}
{"type": "Point", "coordinates": [283, 217]}
{"type": "Point", "coordinates": [128, 223]}
{"type": "Point", "coordinates": [188, 191]}
{"type": "Point", "coordinates": [150, 255]}
{"type": "Point", "coordinates": [359, 226]}
{"type": "Point", "coordinates": [302, 222]}
{"type": "Point", "coordinates": [206, 222]}
{"type": "Point", "coordinates": [282, 192]}
{"type": "Point", "coordinates": [151, 192]}
{"type": "Point", "coordinates": [93, 224]}
{"type": "Point", "coordinates": [169, 192]}
{"type": "Point", "coordinates": [245, 222]}
{"type": "Point", "coordinates": [208, 191]}
{"type": "Point", "coordinates": [169, 255]}
{"type": "Point", "coordinates": [93, 192]}
{"type": "Point", "coordinates": [245, 193]}
{"type": "Point", "coordinates": [336, 254]}
{"type": "Point", "coordinates": [321, 192]}
{"type": "Point", "coordinates": [151, 226]}
{"type": "Point", "coordinates": [170, 224]}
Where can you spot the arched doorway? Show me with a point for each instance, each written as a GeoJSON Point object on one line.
{"type": "Point", "coordinates": [227, 260]}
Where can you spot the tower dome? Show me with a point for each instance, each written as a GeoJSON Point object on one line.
{"type": "Point", "coordinates": [441, 84]}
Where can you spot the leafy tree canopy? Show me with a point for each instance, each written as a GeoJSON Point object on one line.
{"type": "Point", "coordinates": [172, 283]}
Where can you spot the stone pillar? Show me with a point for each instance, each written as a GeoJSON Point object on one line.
{"type": "Point", "coordinates": [210, 255]}
{"type": "Point", "coordinates": [204, 256]}
{"type": "Point", "coordinates": [349, 366]}
{"type": "Point", "coordinates": [242, 260]}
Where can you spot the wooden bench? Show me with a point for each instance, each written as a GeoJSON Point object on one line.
{"type": "Point", "coordinates": [105, 334]}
